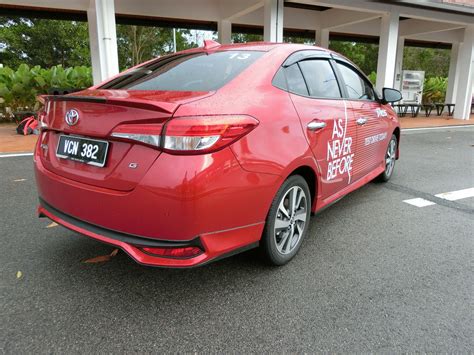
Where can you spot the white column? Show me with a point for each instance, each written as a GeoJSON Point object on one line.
{"type": "Point", "coordinates": [399, 63]}
{"type": "Point", "coordinates": [465, 71]}
{"type": "Point", "coordinates": [224, 31]}
{"type": "Point", "coordinates": [387, 50]}
{"type": "Point", "coordinates": [322, 37]}
{"type": "Point", "coordinates": [273, 21]}
{"type": "Point", "coordinates": [103, 39]}
{"type": "Point", "coordinates": [453, 74]}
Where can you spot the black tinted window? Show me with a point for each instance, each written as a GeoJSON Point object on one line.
{"type": "Point", "coordinates": [192, 72]}
{"type": "Point", "coordinates": [320, 78]}
{"type": "Point", "coordinates": [295, 80]}
{"type": "Point", "coordinates": [357, 87]}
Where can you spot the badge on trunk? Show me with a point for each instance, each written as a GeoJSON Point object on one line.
{"type": "Point", "coordinates": [71, 117]}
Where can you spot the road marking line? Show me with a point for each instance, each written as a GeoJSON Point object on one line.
{"type": "Point", "coordinates": [419, 202]}
{"type": "Point", "coordinates": [436, 128]}
{"type": "Point", "coordinates": [457, 195]}
{"type": "Point", "coordinates": [16, 155]}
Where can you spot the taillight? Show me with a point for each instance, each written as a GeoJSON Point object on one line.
{"type": "Point", "coordinates": [186, 252]}
{"type": "Point", "coordinates": [145, 133]}
{"type": "Point", "coordinates": [203, 134]}
{"type": "Point", "coordinates": [42, 120]}
{"type": "Point", "coordinates": [190, 135]}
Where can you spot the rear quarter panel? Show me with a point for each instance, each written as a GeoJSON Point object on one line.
{"type": "Point", "coordinates": [277, 146]}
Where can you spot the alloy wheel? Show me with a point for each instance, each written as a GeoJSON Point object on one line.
{"type": "Point", "coordinates": [390, 157]}
{"type": "Point", "coordinates": [290, 220]}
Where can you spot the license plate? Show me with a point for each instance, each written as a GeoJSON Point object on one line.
{"type": "Point", "coordinates": [84, 150]}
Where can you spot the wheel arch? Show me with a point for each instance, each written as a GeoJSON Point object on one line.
{"type": "Point", "coordinates": [396, 132]}
{"type": "Point", "coordinates": [310, 176]}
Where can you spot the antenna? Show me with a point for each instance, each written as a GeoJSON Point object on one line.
{"type": "Point", "coordinates": [210, 44]}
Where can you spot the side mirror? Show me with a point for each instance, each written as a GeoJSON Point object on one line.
{"type": "Point", "coordinates": [391, 95]}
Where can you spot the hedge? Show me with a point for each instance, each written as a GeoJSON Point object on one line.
{"type": "Point", "coordinates": [19, 88]}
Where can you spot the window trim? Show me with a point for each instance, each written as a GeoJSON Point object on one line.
{"type": "Point", "coordinates": [345, 63]}
{"type": "Point", "coordinates": [335, 76]}
{"type": "Point", "coordinates": [287, 88]}
{"type": "Point", "coordinates": [333, 59]}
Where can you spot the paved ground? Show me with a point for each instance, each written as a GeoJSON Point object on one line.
{"type": "Point", "coordinates": [376, 275]}
{"type": "Point", "coordinates": [11, 142]}
{"type": "Point", "coordinates": [433, 121]}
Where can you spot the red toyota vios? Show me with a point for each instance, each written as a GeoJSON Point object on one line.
{"type": "Point", "coordinates": [204, 153]}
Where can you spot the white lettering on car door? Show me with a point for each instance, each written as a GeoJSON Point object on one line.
{"type": "Point", "coordinates": [339, 155]}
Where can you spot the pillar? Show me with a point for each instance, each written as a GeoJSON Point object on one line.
{"type": "Point", "coordinates": [452, 74]}
{"type": "Point", "coordinates": [387, 50]}
{"type": "Point", "coordinates": [322, 37]}
{"type": "Point", "coordinates": [464, 70]}
{"type": "Point", "coordinates": [224, 31]}
{"type": "Point", "coordinates": [103, 39]}
{"type": "Point", "coordinates": [273, 21]}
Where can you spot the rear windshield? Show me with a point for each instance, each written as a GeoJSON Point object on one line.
{"type": "Point", "coordinates": [187, 72]}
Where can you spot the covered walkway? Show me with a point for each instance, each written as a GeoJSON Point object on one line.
{"type": "Point", "coordinates": [436, 22]}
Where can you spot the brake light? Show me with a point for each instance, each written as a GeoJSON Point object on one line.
{"type": "Point", "coordinates": [203, 134]}
{"type": "Point", "coordinates": [145, 133]}
{"type": "Point", "coordinates": [186, 252]}
{"type": "Point", "coordinates": [189, 135]}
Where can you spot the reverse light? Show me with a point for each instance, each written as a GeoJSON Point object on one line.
{"type": "Point", "coordinates": [145, 133]}
{"type": "Point", "coordinates": [202, 134]}
{"type": "Point", "coordinates": [186, 252]}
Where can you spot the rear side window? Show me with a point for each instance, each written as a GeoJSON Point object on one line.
{"type": "Point", "coordinates": [357, 87]}
{"type": "Point", "coordinates": [320, 78]}
{"type": "Point", "coordinates": [188, 72]}
{"type": "Point", "coordinates": [296, 83]}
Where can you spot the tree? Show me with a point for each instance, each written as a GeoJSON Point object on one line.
{"type": "Point", "coordinates": [137, 44]}
{"type": "Point", "coordinates": [43, 42]}
{"type": "Point", "coordinates": [364, 55]}
{"type": "Point", "coordinates": [246, 37]}
{"type": "Point", "coordinates": [434, 61]}
{"type": "Point", "coordinates": [51, 42]}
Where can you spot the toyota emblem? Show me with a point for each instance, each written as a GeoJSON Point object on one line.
{"type": "Point", "coordinates": [71, 117]}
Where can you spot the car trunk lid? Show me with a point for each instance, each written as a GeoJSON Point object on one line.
{"type": "Point", "coordinates": [99, 113]}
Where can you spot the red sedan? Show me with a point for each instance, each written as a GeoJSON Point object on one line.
{"type": "Point", "coordinates": [201, 154]}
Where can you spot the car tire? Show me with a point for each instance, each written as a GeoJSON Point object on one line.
{"type": "Point", "coordinates": [287, 222]}
{"type": "Point", "coordinates": [389, 159]}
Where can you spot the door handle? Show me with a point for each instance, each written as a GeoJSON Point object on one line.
{"type": "Point", "coordinates": [315, 125]}
{"type": "Point", "coordinates": [361, 121]}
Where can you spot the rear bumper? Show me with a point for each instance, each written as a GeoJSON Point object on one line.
{"type": "Point", "coordinates": [215, 245]}
{"type": "Point", "coordinates": [206, 199]}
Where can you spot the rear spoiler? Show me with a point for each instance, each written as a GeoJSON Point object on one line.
{"type": "Point", "coordinates": [137, 103]}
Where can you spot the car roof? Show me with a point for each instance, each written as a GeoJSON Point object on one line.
{"type": "Point", "coordinates": [268, 46]}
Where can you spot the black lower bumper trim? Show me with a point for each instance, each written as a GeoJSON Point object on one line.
{"type": "Point", "coordinates": [120, 236]}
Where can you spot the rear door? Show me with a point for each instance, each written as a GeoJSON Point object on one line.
{"type": "Point", "coordinates": [370, 119]}
{"type": "Point", "coordinates": [327, 123]}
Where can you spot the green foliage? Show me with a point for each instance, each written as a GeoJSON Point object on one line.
{"type": "Point", "coordinates": [364, 55]}
{"type": "Point", "coordinates": [433, 61]}
{"type": "Point", "coordinates": [434, 89]}
{"type": "Point", "coordinates": [19, 88]}
{"type": "Point", "coordinates": [43, 42]}
{"type": "Point", "coordinates": [372, 77]}
{"type": "Point", "coordinates": [137, 44]}
{"type": "Point", "coordinates": [246, 37]}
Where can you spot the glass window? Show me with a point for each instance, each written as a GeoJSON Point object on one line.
{"type": "Point", "coordinates": [357, 87]}
{"type": "Point", "coordinates": [295, 80]}
{"type": "Point", "coordinates": [189, 72]}
{"type": "Point", "coordinates": [320, 78]}
{"type": "Point", "coordinates": [279, 79]}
